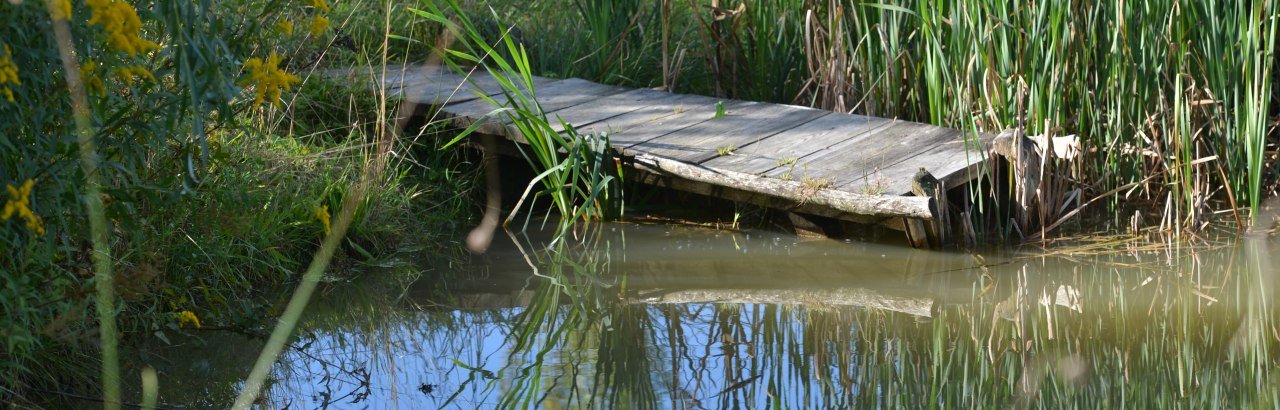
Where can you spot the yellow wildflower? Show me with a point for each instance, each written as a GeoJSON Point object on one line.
{"type": "Point", "coordinates": [188, 317]}
{"type": "Point", "coordinates": [318, 24]}
{"type": "Point", "coordinates": [320, 4]}
{"type": "Point", "coordinates": [89, 75]}
{"type": "Point", "coordinates": [323, 215]}
{"type": "Point", "coordinates": [60, 9]}
{"type": "Point", "coordinates": [8, 74]}
{"type": "Point", "coordinates": [123, 27]}
{"type": "Point", "coordinates": [20, 203]}
{"type": "Point", "coordinates": [285, 26]}
{"type": "Point", "coordinates": [126, 74]}
{"type": "Point", "coordinates": [267, 79]}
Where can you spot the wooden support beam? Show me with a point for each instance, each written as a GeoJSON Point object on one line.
{"type": "Point", "coordinates": [937, 232]}
{"type": "Point", "coordinates": [877, 206]}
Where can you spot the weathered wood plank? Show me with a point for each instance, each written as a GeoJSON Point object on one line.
{"type": "Point", "coordinates": [854, 203]}
{"type": "Point", "coordinates": [584, 116]}
{"type": "Point", "coordinates": [680, 112]}
{"type": "Point", "coordinates": [855, 163]}
{"type": "Point", "coordinates": [451, 88]}
{"type": "Point", "coordinates": [573, 92]}
{"type": "Point", "coordinates": [655, 109]}
{"type": "Point", "coordinates": [742, 125]}
{"type": "Point", "coordinates": [551, 97]}
{"type": "Point", "coordinates": [788, 147]}
{"type": "Point", "coordinates": [950, 158]}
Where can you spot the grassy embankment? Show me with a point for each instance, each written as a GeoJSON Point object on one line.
{"type": "Point", "coordinates": [214, 201]}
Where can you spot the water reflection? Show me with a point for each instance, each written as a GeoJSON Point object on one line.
{"type": "Point", "coordinates": [686, 318]}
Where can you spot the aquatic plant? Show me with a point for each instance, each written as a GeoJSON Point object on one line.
{"type": "Point", "coordinates": [576, 171]}
{"type": "Point", "coordinates": [1172, 100]}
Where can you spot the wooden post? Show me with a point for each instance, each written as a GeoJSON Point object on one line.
{"type": "Point", "coordinates": [916, 233]}
{"type": "Point", "coordinates": [937, 233]}
{"type": "Point", "coordinates": [942, 221]}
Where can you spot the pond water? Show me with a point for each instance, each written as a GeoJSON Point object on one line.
{"type": "Point", "coordinates": [660, 316]}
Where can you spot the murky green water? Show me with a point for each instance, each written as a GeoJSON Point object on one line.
{"type": "Point", "coordinates": [676, 317]}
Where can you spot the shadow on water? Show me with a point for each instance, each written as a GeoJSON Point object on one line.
{"type": "Point", "coordinates": [652, 316]}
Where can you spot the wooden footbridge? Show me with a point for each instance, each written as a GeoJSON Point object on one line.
{"type": "Point", "coordinates": [808, 161]}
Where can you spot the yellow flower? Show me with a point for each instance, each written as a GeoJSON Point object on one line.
{"type": "Point", "coordinates": [188, 317]}
{"type": "Point", "coordinates": [60, 9]}
{"type": "Point", "coordinates": [89, 75]}
{"type": "Point", "coordinates": [323, 215]}
{"type": "Point", "coordinates": [126, 74]}
{"type": "Point", "coordinates": [20, 203]}
{"type": "Point", "coordinates": [267, 79]}
{"type": "Point", "coordinates": [123, 27]}
{"type": "Point", "coordinates": [8, 74]}
{"type": "Point", "coordinates": [318, 24]}
{"type": "Point", "coordinates": [320, 4]}
{"type": "Point", "coordinates": [285, 26]}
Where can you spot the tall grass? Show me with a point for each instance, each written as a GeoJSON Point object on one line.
{"type": "Point", "coordinates": [189, 204]}
{"type": "Point", "coordinates": [576, 171]}
{"type": "Point", "coordinates": [1170, 98]}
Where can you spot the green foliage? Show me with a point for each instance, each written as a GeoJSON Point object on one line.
{"type": "Point", "coordinates": [211, 201]}
{"type": "Point", "coordinates": [576, 171]}
{"type": "Point", "coordinates": [1173, 96]}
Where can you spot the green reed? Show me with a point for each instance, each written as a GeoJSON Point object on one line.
{"type": "Point", "coordinates": [1171, 96]}
{"type": "Point", "coordinates": [576, 171]}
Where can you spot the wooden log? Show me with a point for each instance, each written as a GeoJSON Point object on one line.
{"type": "Point", "coordinates": [883, 206]}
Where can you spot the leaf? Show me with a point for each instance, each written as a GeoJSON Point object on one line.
{"type": "Point", "coordinates": [399, 37]}
{"type": "Point", "coordinates": [472, 128]}
{"type": "Point", "coordinates": [430, 16]}
{"type": "Point", "coordinates": [891, 7]}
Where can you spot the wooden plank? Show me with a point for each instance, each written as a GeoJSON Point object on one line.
{"type": "Point", "coordinates": [949, 158]}
{"type": "Point", "coordinates": [401, 79]}
{"type": "Point", "coordinates": [854, 164]}
{"type": "Point", "coordinates": [742, 125]}
{"type": "Point", "coordinates": [552, 97]}
{"type": "Point", "coordinates": [878, 206]}
{"type": "Point", "coordinates": [668, 113]}
{"type": "Point", "coordinates": [393, 80]}
{"type": "Point", "coordinates": [451, 88]}
{"type": "Point", "coordinates": [786, 147]}
{"type": "Point", "coordinates": [583, 116]}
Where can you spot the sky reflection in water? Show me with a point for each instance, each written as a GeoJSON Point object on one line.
{"type": "Point", "coordinates": [655, 316]}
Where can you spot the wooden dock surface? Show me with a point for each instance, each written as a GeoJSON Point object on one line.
{"type": "Point", "coordinates": [845, 166]}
